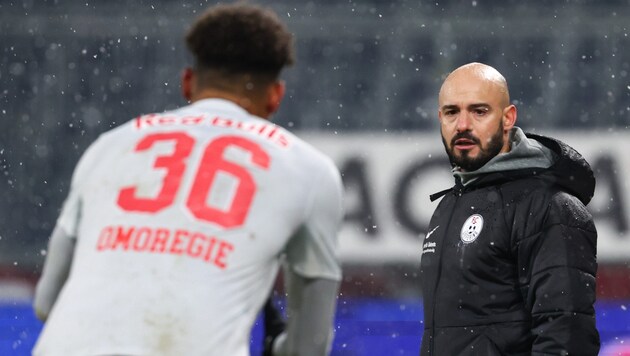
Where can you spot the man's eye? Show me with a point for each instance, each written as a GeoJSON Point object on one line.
{"type": "Point", "coordinates": [481, 112]}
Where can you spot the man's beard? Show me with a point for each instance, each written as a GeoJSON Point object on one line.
{"type": "Point", "coordinates": [467, 163]}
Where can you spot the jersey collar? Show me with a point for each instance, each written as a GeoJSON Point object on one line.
{"type": "Point", "coordinates": [223, 105]}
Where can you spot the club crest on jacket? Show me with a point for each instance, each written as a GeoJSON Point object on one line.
{"type": "Point", "coordinates": [472, 228]}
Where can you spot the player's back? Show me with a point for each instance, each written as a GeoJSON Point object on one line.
{"type": "Point", "coordinates": [180, 217]}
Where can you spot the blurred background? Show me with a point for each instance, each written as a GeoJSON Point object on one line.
{"type": "Point", "coordinates": [364, 90]}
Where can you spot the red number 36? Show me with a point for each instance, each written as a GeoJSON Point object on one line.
{"type": "Point", "coordinates": [212, 161]}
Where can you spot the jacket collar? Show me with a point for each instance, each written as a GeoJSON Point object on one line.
{"type": "Point", "coordinates": [569, 170]}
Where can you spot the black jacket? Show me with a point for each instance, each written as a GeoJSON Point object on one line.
{"type": "Point", "coordinates": [508, 264]}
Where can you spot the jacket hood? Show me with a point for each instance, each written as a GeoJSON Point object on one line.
{"type": "Point", "coordinates": [569, 170]}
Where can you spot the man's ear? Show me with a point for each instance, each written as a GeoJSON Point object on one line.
{"type": "Point", "coordinates": [188, 77]}
{"type": "Point", "coordinates": [275, 93]}
{"type": "Point", "coordinates": [509, 117]}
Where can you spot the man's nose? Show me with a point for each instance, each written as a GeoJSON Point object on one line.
{"type": "Point", "coordinates": [463, 122]}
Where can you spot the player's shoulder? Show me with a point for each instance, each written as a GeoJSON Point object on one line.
{"type": "Point", "coordinates": [109, 138]}
{"type": "Point", "coordinates": [310, 154]}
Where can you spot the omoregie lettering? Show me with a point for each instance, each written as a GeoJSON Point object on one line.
{"type": "Point", "coordinates": [166, 241]}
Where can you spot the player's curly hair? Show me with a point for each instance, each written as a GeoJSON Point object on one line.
{"type": "Point", "coordinates": [241, 39]}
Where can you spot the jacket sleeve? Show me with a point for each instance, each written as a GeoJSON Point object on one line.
{"type": "Point", "coordinates": [557, 267]}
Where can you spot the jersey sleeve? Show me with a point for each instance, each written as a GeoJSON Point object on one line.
{"type": "Point", "coordinates": [312, 250]}
{"type": "Point", "coordinates": [70, 215]}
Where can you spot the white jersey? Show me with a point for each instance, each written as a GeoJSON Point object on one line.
{"type": "Point", "coordinates": [180, 219]}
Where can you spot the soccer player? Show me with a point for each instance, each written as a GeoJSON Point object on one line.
{"type": "Point", "coordinates": [170, 238]}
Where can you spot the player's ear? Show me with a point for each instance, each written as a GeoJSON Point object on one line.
{"type": "Point", "coordinates": [275, 93]}
{"type": "Point", "coordinates": [509, 117]}
{"type": "Point", "coordinates": [187, 83]}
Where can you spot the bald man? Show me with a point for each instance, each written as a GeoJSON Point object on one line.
{"type": "Point", "coordinates": [508, 262]}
